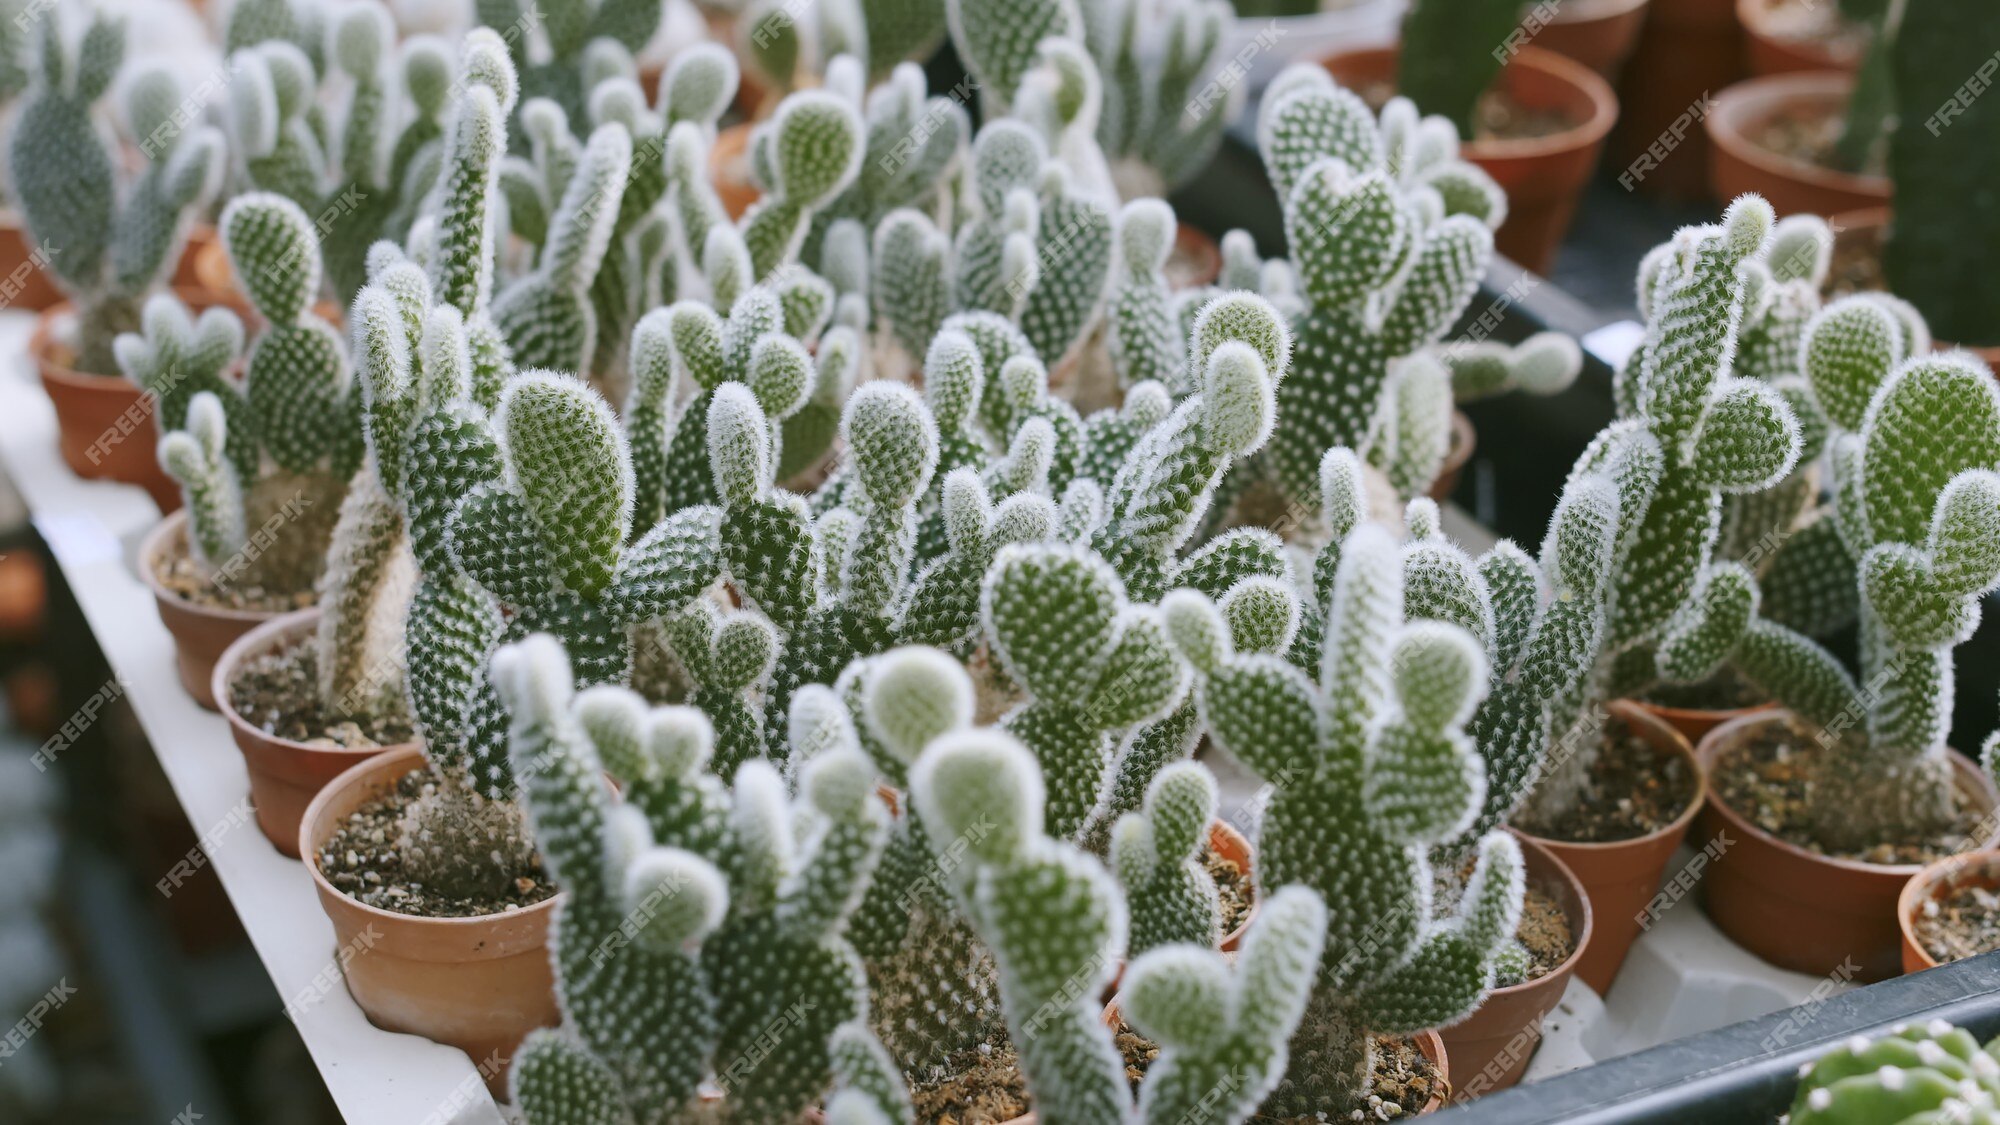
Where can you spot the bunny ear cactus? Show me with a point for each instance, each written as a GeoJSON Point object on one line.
{"type": "Point", "coordinates": [696, 918]}
{"type": "Point", "coordinates": [173, 357]}
{"type": "Point", "coordinates": [270, 103]}
{"type": "Point", "coordinates": [1000, 41]}
{"type": "Point", "coordinates": [1453, 52]}
{"type": "Point", "coordinates": [1384, 271]}
{"type": "Point", "coordinates": [1156, 854]}
{"type": "Point", "coordinates": [815, 146]}
{"type": "Point", "coordinates": [1371, 766]}
{"type": "Point", "coordinates": [587, 41]}
{"type": "Point", "coordinates": [726, 656]}
{"type": "Point", "coordinates": [548, 317]}
{"type": "Point", "coordinates": [108, 245]}
{"type": "Point", "coordinates": [1913, 1074]}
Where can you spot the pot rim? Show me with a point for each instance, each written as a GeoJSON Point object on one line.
{"type": "Point", "coordinates": [1754, 15]}
{"type": "Point", "coordinates": [1568, 966]}
{"type": "Point", "coordinates": [1720, 714]}
{"type": "Point", "coordinates": [1725, 736]}
{"type": "Point", "coordinates": [1974, 868]}
{"type": "Point", "coordinates": [1634, 715]}
{"type": "Point", "coordinates": [309, 850]}
{"type": "Point", "coordinates": [1590, 11]}
{"type": "Point", "coordinates": [1756, 98]}
{"type": "Point", "coordinates": [154, 547]}
{"type": "Point", "coordinates": [1585, 81]}
{"type": "Point", "coordinates": [1218, 826]}
{"type": "Point", "coordinates": [270, 634]}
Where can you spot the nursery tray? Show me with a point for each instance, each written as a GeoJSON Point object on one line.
{"type": "Point", "coordinates": [93, 529]}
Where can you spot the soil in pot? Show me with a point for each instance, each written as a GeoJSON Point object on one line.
{"type": "Point", "coordinates": [1768, 778]}
{"type": "Point", "coordinates": [1964, 924]}
{"type": "Point", "coordinates": [976, 1086]}
{"type": "Point", "coordinates": [1499, 116]}
{"type": "Point", "coordinates": [1727, 690]}
{"type": "Point", "coordinates": [1787, 35]}
{"type": "Point", "coordinates": [1633, 790]}
{"type": "Point", "coordinates": [278, 692]}
{"type": "Point", "coordinates": [1545, 934]}
{"type": "Point", "coordinates": [1232, 886]}
{"type": "Point", "coordinates": [373, 859]}
{"type": "Point", "coordinates": [1806, 133]}
{"type": "Point", "coordinates": [1404, 1080]}
{"type": "Point", "coordinates": [180, 575]}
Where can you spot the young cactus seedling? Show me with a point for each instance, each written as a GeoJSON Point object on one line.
{"type": "Point", "coordinates": [1913, 1074]}
{"type": "Point", "coordinates": [108, 242]}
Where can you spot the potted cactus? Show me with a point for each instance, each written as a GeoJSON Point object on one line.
{"type": "Point", "coordinates": [1533, 119]}
{"type": "Point", "coordinates": [1931, 1072]}
{"type": "Point", "coordinates": [108, 243]}
{"type": "Point", "coordinates": [262, 464]}
{"type": "Point", "coordinates": [1914, 505]}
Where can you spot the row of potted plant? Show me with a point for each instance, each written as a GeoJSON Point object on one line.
{"type": "Point", "coordinates": [847, 726]}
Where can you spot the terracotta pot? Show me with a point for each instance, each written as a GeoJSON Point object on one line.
{"type": "Point", "coordinates": [1464, 440]}
{"type": "Point", "coordinates": [1429, 1045]}
{"type": "Point", "coordinates": [1939, 881]}
{"type": "Point", "coordinates": [478, 984]}
{"type": "Point", "coordinates": [1620, 877]}
{"type": "Point", "coordinates": [1863, 233]}
{"type": "Point", "coordinates": [1543, 176]}
{"type": "Point", "coordinates": [1600, 34]}
{"type": "Point", "coordinates": [202, 241]}
{"type": "Point", "coordinates": [105, 421]}
{"type": "Point", "coordinates": [1769, 51]}
{"type": "Point", "coordinates": [201, 633]}
{"type": "Point", "coordinates": [285, 776]}
{"type": "Point", "coordinates": [1793, 907]}
{"type": "Point", "coordinates": [1688, 51]}
{"type": "Point", "coordinates": [1491, 1047]}
{"type": "Point", "coordinates": [211, 267]}
{"type": "Point", "coordinates": [23, 283]}
{"type": "Point", "coordinates": [1792, 185]}
{"type": "Point", "coordinates": [729, 169]}
{"type": "Point", "coordinates": [1225, 841]}
{"type": "Point", "coordinates": [1694, 723]}
{"type": "Point", "coordinates": [1196, 259]}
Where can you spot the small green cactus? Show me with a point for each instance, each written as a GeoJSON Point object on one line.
{"type": "Point", "coordinates": [1157, 856]}
{"type": "Point", "coordinates": [1911, 1075]}
{"type": "Point", "coordinates": [699, 936]}
{"type": "Point", "coordinates": [107, 241]}
{"type": "Point", "coordinates": [1164, 106]}
{"type": "Point", "coordinates": [1452, 52]}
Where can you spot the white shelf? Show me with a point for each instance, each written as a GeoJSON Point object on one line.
{"type": "Point", "coordinates": [376, 1077]}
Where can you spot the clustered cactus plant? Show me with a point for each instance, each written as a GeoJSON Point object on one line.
{"type": "Point", "coordinates": [108, 241]}
{"type": "Point", "coordinates": [1912, 1074]}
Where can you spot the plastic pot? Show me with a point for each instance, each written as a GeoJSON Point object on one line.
{"type": "Point", "coordinates": [1769, 51]}
{"type": "Point", "coordinates": [1694, 723]}
{"type": "Point", "coordinates": [1688, 50]}
{"type": "Point", "coordinates": [478, 984]}
{"type": "Point", "coordinates": [1491, 1047]}
{"type": "Point", "coordinates": [1939, 881]}
{"type": "Point", "coordinates": [201, 633]}
{"type": "Point", "coordinates": [1864, 233]}
{"type": "Point", "coordinates": [1600, 34]}
{"type": "Point", "coordinates": [1794, 907]}
{"type": "Point", "coordinates": [1793, 186]}
{"type": "Point", "coordinates": [1620, 877]}
{"type": "Point", "coordinates": [1543, 176]}
{"type": "Point", "coordinates": [285, 776]}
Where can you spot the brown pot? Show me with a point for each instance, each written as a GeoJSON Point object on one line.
{"type": "Point", "coordinates": [1491, 1047]}
{"type": "Point", "coordinates": [1600, 34]}
{"type": "Point", "coordinates": [210, 267]}
{"type": "Point", "coordinates": [1620, 877]}
{"type": "Point", "coordinates": [1864, 232]}
{"type": "Point", "coordinates": [201, 241]}
{"type": "Point", "coordinates": [1196, 259]}
{"type": "Point", "coordinates": [729, 169]}
{"type": "Point", "coordinates": [1796, 908]}
{"type": "Point", "coordinates": [1464, 440]}
{"type": "Point", "coordinates": [1225, 841]}
{"type": "Point", "coordinates": [1543, 176]}
{"type": "Point", "coordinates": [1694, 723]}
{"type": "Point", "coordinates": [1770, 51]}
{"type": "Point", "coordinates": [201, 633]}
{"type": "Point", "coordinates": [1939, 881]}
{"type": "Point", "coordinates": [23, 283]}
{"type": "Point", "coordinates": [1688, 51]}
{"type": "Point", "coordinates": [1793, 186]}
{"type": "Point", "coordinates": [285, 776]}
{"type": "Point", "coordinates": [478, 984]}
{"type": "Point", "coordinates": [1429, 1045]}
{"type": "Point", "coordinates": [105, 421]}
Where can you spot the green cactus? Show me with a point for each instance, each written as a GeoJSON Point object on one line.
{"type": "Point", "coordinates": [1163, 112]}
{"type": "Point", "coordinates": [548, 316]}
{"type": "Point", "coordinates": [699, 937]}
{"type": "Point", "coordinates": [1157, 857]}
{"type": "Point", "coordinates": [1452, 52]}
{"type": "Point", "coordinates": [108, 241]}
{"type": "Point", "coordinates": [587, 41]}
{"type": "Point", "coordinates": [1000, 41]}
{"type": "Point", "coordinates": [1909, 1076]}
{"type": "Point", "coordinates": [1383, 270]}
{"type": "Point", "coordinates": [1371, 766]}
